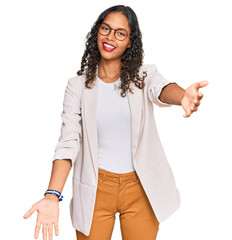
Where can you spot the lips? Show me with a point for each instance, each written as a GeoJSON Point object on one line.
{"type": "Point", "coordinates": [109, 44]}
{"type": "Point", "coordinates": [108, 48]}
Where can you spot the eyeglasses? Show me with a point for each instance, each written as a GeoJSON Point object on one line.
{"type": "Point", "coordinates": [120, 33]}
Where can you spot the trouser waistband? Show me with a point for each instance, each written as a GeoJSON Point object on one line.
{"type": "Point", "coordinates": [117, 177]}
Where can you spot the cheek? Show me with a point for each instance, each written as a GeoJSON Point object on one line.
{"type": "Point", "coordinates": [99, 40]}
{"type": "Point", "coordinates": [122, 46]}
{"type": "Point", "coordinates": [98, 44]}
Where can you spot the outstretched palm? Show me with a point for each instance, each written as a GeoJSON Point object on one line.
{"type": "Point", "coordinates": [191, 98]}
{"type": "Point", "coordinates": [48, 214]}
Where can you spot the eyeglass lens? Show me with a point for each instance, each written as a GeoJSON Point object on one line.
{"type": "Point", "coordinates": [120, 34]}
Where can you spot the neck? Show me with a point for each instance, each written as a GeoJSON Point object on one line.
{"type": "Point", "coordinates": [109, 68]}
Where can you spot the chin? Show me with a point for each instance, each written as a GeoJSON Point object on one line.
{"type": "Point", "coordinates": [108, 56]}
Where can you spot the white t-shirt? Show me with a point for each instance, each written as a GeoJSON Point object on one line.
{"type": "Point", "coordinates": [114, 128]}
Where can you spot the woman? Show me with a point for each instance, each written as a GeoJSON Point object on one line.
{"type": "Point", "coordinates": [109, 135]}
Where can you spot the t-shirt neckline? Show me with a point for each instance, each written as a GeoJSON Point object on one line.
{"type": "Point", "coordinates": [100, 80]}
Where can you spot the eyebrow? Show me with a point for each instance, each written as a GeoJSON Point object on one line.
{"type": "Point", "coordinates": [116, 28]}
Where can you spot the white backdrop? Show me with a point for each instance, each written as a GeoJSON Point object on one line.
{"type": "Point", "coordinates": [42, 43]}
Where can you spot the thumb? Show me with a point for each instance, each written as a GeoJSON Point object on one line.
{"type": "Point", "coordinates": [30, 212]}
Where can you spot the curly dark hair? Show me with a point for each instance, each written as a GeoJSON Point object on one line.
{"type": "Point", "coordinates": [131, 60]}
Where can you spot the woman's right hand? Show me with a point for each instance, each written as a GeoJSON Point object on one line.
{"type": "Point", "coordinates": [48, 214]}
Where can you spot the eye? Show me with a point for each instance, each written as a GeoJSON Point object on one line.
{"type": "Point", "coordinates": [121, 33]}
{"type": "Point", "coordinates": [104, 28]}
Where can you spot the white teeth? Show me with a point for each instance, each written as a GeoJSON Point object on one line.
{"type": "Point", "coordinates": [108, 46]}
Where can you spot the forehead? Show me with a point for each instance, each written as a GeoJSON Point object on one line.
{"type": "Point", "coordinates": [117, 20]}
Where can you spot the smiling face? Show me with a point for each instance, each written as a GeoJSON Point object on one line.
{"type": "Point", "coordinates": [114, 20]}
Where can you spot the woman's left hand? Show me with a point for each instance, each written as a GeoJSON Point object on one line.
{"type": "Point", "coordinates": [191, 98]}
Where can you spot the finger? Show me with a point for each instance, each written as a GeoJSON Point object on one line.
{"type": "Point", "coordinates": [56, 227]}
{"type": "Point", "coordinates": [204, 83]}
{"type": "Point", "coordinates": [50, 233]}
{"type": "Point", "coordinates": [196, 101]}
{"type": "Point", "coordinates": [45, 231]}
{"type": "Point", "coordinates": [186, 115]}
{"type": "Point", "coordinates": [187, 112]}
{"type": "Point", "coordinates": [197, 104]}
{"type": "Point", "coordinates": [201, 84]}
{"type": "Point", "coordinates": [30, 212]}
{"type": "Point", "coordinates": [194, 107]}
{"type": "Point", "coordinates": [37, 228]}
{"type": "Point", "coordinates": [200, 95]}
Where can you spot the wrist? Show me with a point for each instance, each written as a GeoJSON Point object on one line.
{"type": "Point", "coordinates": [182, 96]}
{"type": "Point", "coordinates": [55, 193]}
{"type": "Point", "coordinates": [51, 197]}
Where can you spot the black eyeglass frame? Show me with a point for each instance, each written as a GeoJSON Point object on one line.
{"type": "Point", "coordinates": [127, 34]}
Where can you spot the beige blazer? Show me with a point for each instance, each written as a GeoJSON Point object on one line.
{"type": "Point", "coordinates": [78, 141]}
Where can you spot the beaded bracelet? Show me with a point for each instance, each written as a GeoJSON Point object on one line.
{"type": "Point", "coordinates": [55, 192]}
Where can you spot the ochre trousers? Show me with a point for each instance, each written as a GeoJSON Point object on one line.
{"type": "Point", "coordinates": [123, 193]}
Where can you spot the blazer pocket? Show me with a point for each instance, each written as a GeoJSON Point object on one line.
{"type": "Point", "coordinates": [82, 184]}
{"type": "Point", "coordinates": [156, 164]}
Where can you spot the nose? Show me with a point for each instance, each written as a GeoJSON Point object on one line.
{"type": "Point", "coordinates": [111, 36]}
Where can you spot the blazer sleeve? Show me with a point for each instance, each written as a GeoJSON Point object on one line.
{"type": "Point", "coordinates": [156, 82]}
{"type": "Point", "coordinates": [68, 144]}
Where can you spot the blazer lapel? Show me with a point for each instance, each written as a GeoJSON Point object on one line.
{"type": "Point", "coordinates": [90, 97]}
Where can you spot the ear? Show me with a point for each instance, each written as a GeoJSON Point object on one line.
{"type": "Point", "coordinates": [129, 45]}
